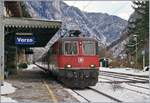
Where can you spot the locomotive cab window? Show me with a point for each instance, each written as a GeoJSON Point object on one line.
{"type": "Point", "coordinates": [70, 48]}
{"type": "Point", "coordinates": [89, 48]}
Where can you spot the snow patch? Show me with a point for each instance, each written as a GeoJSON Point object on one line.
{"type": "Point", "coordinates": [7, 88]}
{"type": "Point", "coordinates": [7, 100]}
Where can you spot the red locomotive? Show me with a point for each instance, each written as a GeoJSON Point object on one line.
{"type": "Point", "coordinates": [75, 61]}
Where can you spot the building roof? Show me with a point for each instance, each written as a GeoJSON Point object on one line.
{"type": "Point", "coordinates": [42, 30]}
{"type": "Point", "coordinates": [30, 22]}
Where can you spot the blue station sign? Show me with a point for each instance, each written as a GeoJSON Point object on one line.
{"type": "Point", "coordinates": [24, 39]}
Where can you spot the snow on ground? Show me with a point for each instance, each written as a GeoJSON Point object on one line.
{"type": "Point", "coordinates": [125, 85]}
{"type": "Point", "coordinates": [146, 85]}
{"type": "Point", "coordinates": [75, 95]}
{"type": "Point", "coordinates": [118, 91]}
{"type": "Point", "coordinates": [93, 96]}
{"type": "Point", "coordinates": [31, 67]}
{"type": "Point", "coordinates": [126, 70]}
{"type": "Point", "coordinates": [7, 100]}
{"type": "Point", "coordinates": [100, 78]}
{"type": "Point", "coordinates": [122, 91]}
{"type": "Point", "coordinates": [7, 88]}
{"type": "Point", "coordinates": [90, 95]}
{"type": "Point", "coordinates": [115, 90]}
{"type": "Point", "coordinates": [107, 78]}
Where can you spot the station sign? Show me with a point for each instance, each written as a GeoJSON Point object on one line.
{"type": "Point", "coordinates": [24, 39]}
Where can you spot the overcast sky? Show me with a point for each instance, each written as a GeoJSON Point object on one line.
{"type": "Point", "coordinates": [122, 9]}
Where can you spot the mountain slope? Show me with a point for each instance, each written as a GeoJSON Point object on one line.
{"type": "Point", "coordinates": [106, 28]}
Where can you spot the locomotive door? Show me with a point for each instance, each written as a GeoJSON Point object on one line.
{"type": "Point", "coordinates": [80, 58]}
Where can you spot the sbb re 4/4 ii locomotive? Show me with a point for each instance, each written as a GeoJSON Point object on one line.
{"type": "Point", "coordinates": [74, 60]}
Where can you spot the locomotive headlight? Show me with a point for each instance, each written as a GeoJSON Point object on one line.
{"type": "Point", "coordinates": [68, 66]}
{"type": "Point", "coordinates": [92, 65]}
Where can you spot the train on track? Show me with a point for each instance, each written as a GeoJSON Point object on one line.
{"type": "Point", "coordinates": [74, 60]}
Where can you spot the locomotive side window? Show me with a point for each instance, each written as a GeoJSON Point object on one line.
{"type": "Point", "coordinates": [70, 48]}
{"type": "Point", "coordinates": [89, 48]}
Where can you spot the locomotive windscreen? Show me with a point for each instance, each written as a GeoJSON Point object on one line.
{"type": "Point", "coordinates": [70, 48]}
{"type": "Point", "coordinates": [89, 47]}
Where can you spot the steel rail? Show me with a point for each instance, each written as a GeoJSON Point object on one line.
{"type": "Point", "coordinates": [136, 91]}
{"type": "Point", "coordinates": [138, 86]}
{"type": "Point", "coordinates": [81, 96]}
{"type": "Point", "coordinates": [117, 82]}
{"type": "Point", "coordinates": [123, 77]}
{"type": "Point", "coordinates": [134, 77]}
{"type": "Point", "coordinates": [127, 74]}
{"type": "Point", "coordinates": [114, 81]}
{"type": "Point", "coordinates": [104, 94]}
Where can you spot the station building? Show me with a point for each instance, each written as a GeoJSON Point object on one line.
{"type": "Point", "coordinates": [20, 32]}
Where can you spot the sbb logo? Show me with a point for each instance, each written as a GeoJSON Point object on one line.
{"type": "Point", "coordinates": [80, 60]}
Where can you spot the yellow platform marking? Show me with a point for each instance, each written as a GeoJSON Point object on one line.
{"type": "Point", "coordinates": [1, 78]}
{"type": "Point", "coordinates": [50, 92]}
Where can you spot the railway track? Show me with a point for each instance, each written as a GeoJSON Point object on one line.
{"type": "Point", "coordinates": [117, 82]}
{"type": "Point", "coordinates": [82, 96]}
{"type": "Point", "coordinates": [108, 80]}
{"type": "Point", "coordinates": [112, 77]}
{"type": "Point", "coordinates": [87, 99]}
{"type": "Point", "coordinates": [137, 91]}
{"type": "Point", "coordinates": [125, 77]}
{"type": "Point", "coordinates": [125, 74]}
{"type": "Point", "coordinates": [44, 69]}
{"type": "Point", "coordinates": [115, 99]}
{"type": "Point", "coordinates": [138, 86]}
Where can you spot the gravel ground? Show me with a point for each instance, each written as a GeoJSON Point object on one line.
{"type": "Point", "coordinates": [31, 88]}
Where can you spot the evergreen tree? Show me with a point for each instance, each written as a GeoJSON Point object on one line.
{"type": "Point", "coordinates": [139, 26]}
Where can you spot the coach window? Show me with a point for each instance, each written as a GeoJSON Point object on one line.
{"type": "Point", "coordinates": [70, 48]}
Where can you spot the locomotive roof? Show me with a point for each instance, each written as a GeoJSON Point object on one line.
{"type": "Point", "coordinates": [77, 38]}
